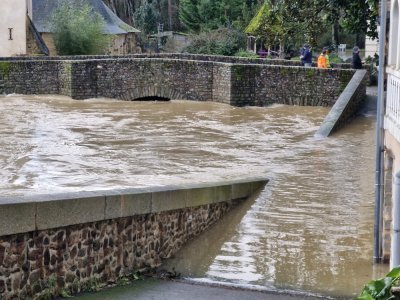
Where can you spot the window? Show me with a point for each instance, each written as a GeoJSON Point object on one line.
{"type": "Point", "coordinates": [10, 32]}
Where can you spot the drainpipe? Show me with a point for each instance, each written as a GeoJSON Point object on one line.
{"type": "Point", "coordinates": [379, 137]}
{"type": "Point", "coordinates": [395, 247]}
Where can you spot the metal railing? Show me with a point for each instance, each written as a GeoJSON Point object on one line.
{"type": "Point", "coordinates": [392, 115]}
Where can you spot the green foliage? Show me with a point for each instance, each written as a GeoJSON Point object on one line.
{"type": "Point", "coordinates": [317, 22]}
{"type": "Point", "coordinates": [360, 17]}
{"type": "Point", "coordinates": [273, 23]}
{"type": "Point", "coordinates": [5, 67]}
{"type": "Point", "coordinates": [204, 15]}
{"type": "Point", "coordinates": [123, 281]}
{"type": "Point", "coordinates": [335, 59]}
{"type": "Point", "coordinates": [91, 285]}
{"type": "Point", "coordinates": [244, 53]}
{"type": "Point", "coordinates": [64, 293]}
{"type": "Point", "coordinates": [78, 30]}
{"type": "Point", "coordinates": [189, 15]}
{"type": "Point", "coordinates": [257, 24]}
{"type": "Point", "coordinates": [146, 17]}
{"type": "Point", "coordinates": [380, 289]}
{"type": "Point", "coordinates": [223, 41]}
{"type": "Point", "coordinates": [136, 276]}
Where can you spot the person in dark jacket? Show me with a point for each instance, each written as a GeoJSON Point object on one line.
{"type": "Point", "coordinates": [356, 61]}
{"type": "Point", "coordinates": [306, 56]}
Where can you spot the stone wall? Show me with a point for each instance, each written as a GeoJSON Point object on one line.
{"type": "Point", "coordinates": [184, 56]}
{"type": "Point", "coordinates": [30, 77]}
{"type": "Point", "coordinates": [104, 250]}
{"type": "Point", "coordinates": [201, 80]}
{"type": "Point", "coordinates": [50, 243]}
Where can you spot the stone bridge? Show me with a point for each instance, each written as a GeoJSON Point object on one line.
{"type": "Point", "coordinates": [232, 81]}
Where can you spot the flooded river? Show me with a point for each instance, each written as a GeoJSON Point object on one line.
{"type": "Point", "coordinates": [310, 228]}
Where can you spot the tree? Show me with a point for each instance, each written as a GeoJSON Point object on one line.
{"type": "Point", "coordinates": [296, 22]}
{"type": "Point", "coordinates": [269, 24]}
{"type": "Point", "coordinates": [78, 30]}
{"type": "Point", "coordinates": [204, 15]}
{"type": "Point", "coordinates": [189, 15]}
{"type": "Point", "coordinates": [146, 17]}
{"type": "Point", "coordinates": [223, 41]}
{"type": "Point", "coordinates": [361, 16]}
{"type": "Point", "coordinates": [355, 16]}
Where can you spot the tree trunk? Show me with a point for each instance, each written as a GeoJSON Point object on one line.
{"type": "Point", "coordinates": [281, 49]}
{"type": "Point", "coordinates": [335, 33]}
{"type": "Point", "coordinates": [170, 14]}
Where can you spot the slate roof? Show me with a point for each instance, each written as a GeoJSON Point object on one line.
{"type": "Point", "coordinates": [43, 9]}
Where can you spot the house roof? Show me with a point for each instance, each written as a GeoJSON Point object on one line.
{"type": "Point", "coordinates": [43, 9]}
{"type": "Point", "coordinates": [37, 37]}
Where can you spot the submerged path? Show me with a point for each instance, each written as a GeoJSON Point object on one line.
{"type": "Point", "coordinates": [159, 289]}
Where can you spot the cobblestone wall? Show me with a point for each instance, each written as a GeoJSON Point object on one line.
{"type": "Point", "coordinates": [38, 264]}
{"type": "Point", "coordinates": [54, 243]}
{"type": "Point", "coordinates": [198, 79]}
{"type": "Point", "coordinates": [185, 56]}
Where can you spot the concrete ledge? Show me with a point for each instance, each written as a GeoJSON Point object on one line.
{"type": "Point", "coordinates": [125, 203]}
{"type": "Point", "coordinates": [346, 106]}
{"type": "Point", "coordinates": [15, 218]}
{"type": "Point", "coordinates": [67, 209]}
{"type": "Point", "coordinates": [40, 212]}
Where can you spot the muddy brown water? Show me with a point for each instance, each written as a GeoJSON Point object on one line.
{"type": "Point", "coordinates": [309, 229]}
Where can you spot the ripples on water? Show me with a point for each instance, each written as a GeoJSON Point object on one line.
{"type": "Point", "coordinates": [311, 227]}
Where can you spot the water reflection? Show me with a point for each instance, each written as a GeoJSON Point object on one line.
{"type": "Point", "coordinates": [309, 229]}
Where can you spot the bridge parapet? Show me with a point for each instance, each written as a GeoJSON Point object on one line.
{"type": "Point", "coordinates": [132, 78]}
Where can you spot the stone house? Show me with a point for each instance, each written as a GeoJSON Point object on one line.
{"type": "Point", "coordinates": [26, 28]}
{"type": "Point", "coordinates": [13, 27]}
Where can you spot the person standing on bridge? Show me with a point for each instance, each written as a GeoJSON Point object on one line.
{"type": "Point", "coordinates": [306, 56]}
{"type": "Point", "coordinates": [356, 60]}
{"type": "Point", "coordinates": [328, 63]}
{"type": "Point", "coordinates": [322, 61]}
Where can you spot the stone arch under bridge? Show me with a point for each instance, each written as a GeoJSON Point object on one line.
{"type": "Point", "coordinates": [164, 93]}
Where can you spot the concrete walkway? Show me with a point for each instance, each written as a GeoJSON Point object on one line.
{"type": "Point", "coordinates": [179, 290]}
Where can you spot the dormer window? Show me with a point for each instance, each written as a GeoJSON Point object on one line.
{"type": "Point", "coordinates": [10, 34]}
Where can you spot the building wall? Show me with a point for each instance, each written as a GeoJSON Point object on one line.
{"type": "Point", "coordinates": [48, 40]}
{"type": "Point", "coordinates": [122, 44]}
{"type": "Point", "coordinates": [392, 166]}
{"type": "Point", "coordinates": [371, 47]}
{"type": "Point", "coordinates": [13, 15]}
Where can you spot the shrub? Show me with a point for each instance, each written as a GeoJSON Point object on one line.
{"type": "Point", "coordinates": [244, 53]}
{"type": "Point", "coordinates": [78, 30]}
{"type": "Point", "coordinates": [222, 41]}
{"type": "Point", "coordinates": [380, 289]}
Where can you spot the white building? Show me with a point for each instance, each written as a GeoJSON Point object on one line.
{"type": "Point", "coordinates": [391, 136]}
{"type": "Point", "coordinates": [13, 27]}
{"type": "Point", "coordinates": [371, 47]}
